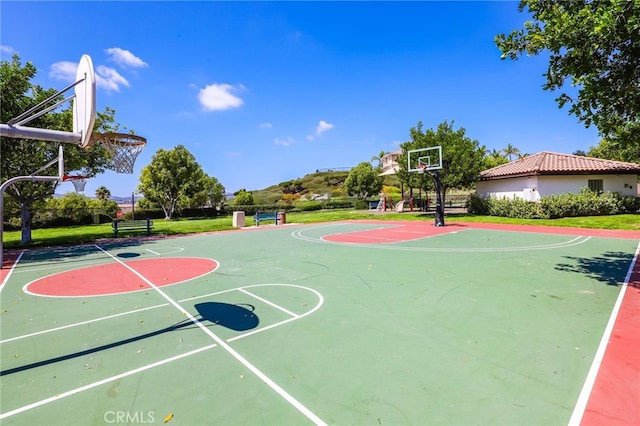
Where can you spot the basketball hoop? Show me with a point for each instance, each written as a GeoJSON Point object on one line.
{"type": "Point", "coordinates": [123, 149]}
{"type": "Point", "coordinates": [78, 181]}
{"type": "Point", "coordinates": [421, 168]}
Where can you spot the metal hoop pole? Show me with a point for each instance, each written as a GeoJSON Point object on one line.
{"type": "Point", "coordinates": [44, 111]}
{"type": "Point", "coordinates": [36, 107]}
{"type": "Point", "coordinates": [23, 132]}
{"type": "Point", "coordinates": [2, 189]}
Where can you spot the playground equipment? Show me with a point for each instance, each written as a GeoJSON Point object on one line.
{"type": "Point", "coordinates": [122, 148]}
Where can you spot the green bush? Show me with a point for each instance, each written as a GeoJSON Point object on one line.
{"type": "Point", "coordinates": [337, 204]}
{"type": "Point", "coordinates": [361, 205]}
{"type": "Point", "coordinates": [307, 206]}
{"type": "Point", "coordinates": [144, 214]}
{"type": "Point", "coordinates": [586, 203]}
{"type": "Point", "coordinates": [478, 205]}
{"type": "Point", "coordinates": [630, 204]}
{"type": "Point", "coordinates": [199, 212]}
{"type": "Point", "coordinates": [250, 210]}
{"type": "Point", "coordinates": [516, 208]}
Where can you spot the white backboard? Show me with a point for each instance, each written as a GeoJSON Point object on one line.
{"type": "Point", "coordinates": [424, 159]}
{"type": "Point", "coordinates": [84, 103]}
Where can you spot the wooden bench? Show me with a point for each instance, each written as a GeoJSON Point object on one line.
{"type": "Point", "coordinates": [129, 225]}
{"type": "Point", "coordinates": [258, 217]}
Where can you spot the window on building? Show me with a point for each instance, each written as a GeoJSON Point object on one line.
{"type": "Point", "coordinates": [596, 185]}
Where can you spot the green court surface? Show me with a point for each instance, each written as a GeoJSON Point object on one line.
{"type": "Point", "coordinates": [299, 324]}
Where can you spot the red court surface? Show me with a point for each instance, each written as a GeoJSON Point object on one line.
{"type": "Point", "coordinates": [617, 386]}
{"type": "Point", "coordinates": [407, 231]}
{"type": "Point", "coordinates": [400, 233]}
{"type": "Point", "coordinates": [416, 230]}
{"type": "Point", "coordinates": [121, 277]}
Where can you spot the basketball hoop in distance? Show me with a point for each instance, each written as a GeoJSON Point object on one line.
{"type": "Point", "coordinates": [123, 148]}
{"type": "Point", "coordinates": [78, 181]}
{"type": "Point", "coordinates": [421, 168]}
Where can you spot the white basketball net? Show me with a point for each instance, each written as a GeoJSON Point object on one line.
{"type": "Point", "coordinates": [78, 182]}
{"type": "Point", "coordinates": [123, 149]}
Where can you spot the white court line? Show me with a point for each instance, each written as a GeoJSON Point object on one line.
{"type": "Point", "coordinates": [268, 302]}
{"type": "Point", "coordinates": [159, 363]}
{"type": "Point", "coordinates": [273, 385]}
{"type": "Point", "coordinates": [216, 293]}
{"type": "Point", "coordinates": [13, 267]}
{"type": "Point", "coordinates": [585, 393]}
{"type": "Point", "coordinates": [101, 382]}
{"type": "Point", "coordinates": [51, 330]}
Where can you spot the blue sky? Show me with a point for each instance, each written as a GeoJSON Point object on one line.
{"type": "Point", "coordinates": [264, 92]}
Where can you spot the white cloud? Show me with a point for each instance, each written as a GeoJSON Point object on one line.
{"type": "Point", "coordinates": [106, 78]}
{"type": "Point", "coordinates": [64, 71]}
{"type": "Point", "coordinates": [109, 79]}
{"type": "Point", "coordinates": [4, 49]}
{"type": "Point", "coordinates": [323, 126]}
{"type": "Point", "coordinates": [125, 58]}
{"type": "Point", "coordinates": [266, 126]}
{"type": "Point", "coordinates": [284, 142]}
{"type": "Point", "coordinates": [218, 97]}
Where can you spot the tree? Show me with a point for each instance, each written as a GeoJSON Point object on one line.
{"type": "Point", "coordinates": [22, 157]}
{"type": "Point", "coordinates": [494, 158]}
{"type": "Point", "coordinates": [103, 193]}
{"type": "Point", "coordinates": [462, 157]}
{"type": "Point", "coordinates": [172, 176]}
{"type": "Point", "coordinates": [211, 193]}
{"type": "Point", "coordinates": [378, 158]}
{"type": "Point", "coordinates": [595, 47]}
{"type": "Point", "coordinates": [616, 149]}
{"type": "Point", "coordinates": [76, 206]}
{"type": "Point", "coordinates": [510, 150]}
{"type": "Point", "coordinates": [364, 181]}
{"type": "Point", "coordinates": [243, 198]}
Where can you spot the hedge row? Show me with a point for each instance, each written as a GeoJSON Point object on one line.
{"type": "Point", "coordinates": [586, 203]}
{"type": "Point", "coordinates": [301, 206]}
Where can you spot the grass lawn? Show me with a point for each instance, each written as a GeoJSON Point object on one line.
{"type": "Point", "coordinates": [90, 233]}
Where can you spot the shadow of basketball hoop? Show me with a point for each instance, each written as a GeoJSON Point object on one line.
{"type": "Point", "coordinates": [128, 255]}
{"type": "Point", "coordinates": [238, 317]}
{"type": "Point", "coordinates": [235, 317]}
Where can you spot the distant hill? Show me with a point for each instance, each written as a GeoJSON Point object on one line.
{"type": "Point", "coordinates": [117, 199]}
{"type": "Point", "coordinates": [327, 181]}
{"type": "Point", "coordinates": [124, 200]}
{"type": "Point", "coordinates": [321, 182]}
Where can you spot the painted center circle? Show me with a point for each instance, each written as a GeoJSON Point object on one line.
{"type": "Point", "coordinates": [114, 278]}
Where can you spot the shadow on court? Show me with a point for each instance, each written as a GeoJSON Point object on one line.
{"type": "Point", "coordinates": [238, 317]}
{"type": "Point", "coordinates": [74, 253]}
{"type": "Point", "coordinates": [610, 268]}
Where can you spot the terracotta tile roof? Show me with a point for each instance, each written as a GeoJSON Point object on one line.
{"type": "Point", "coordinates": [552, 163]}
